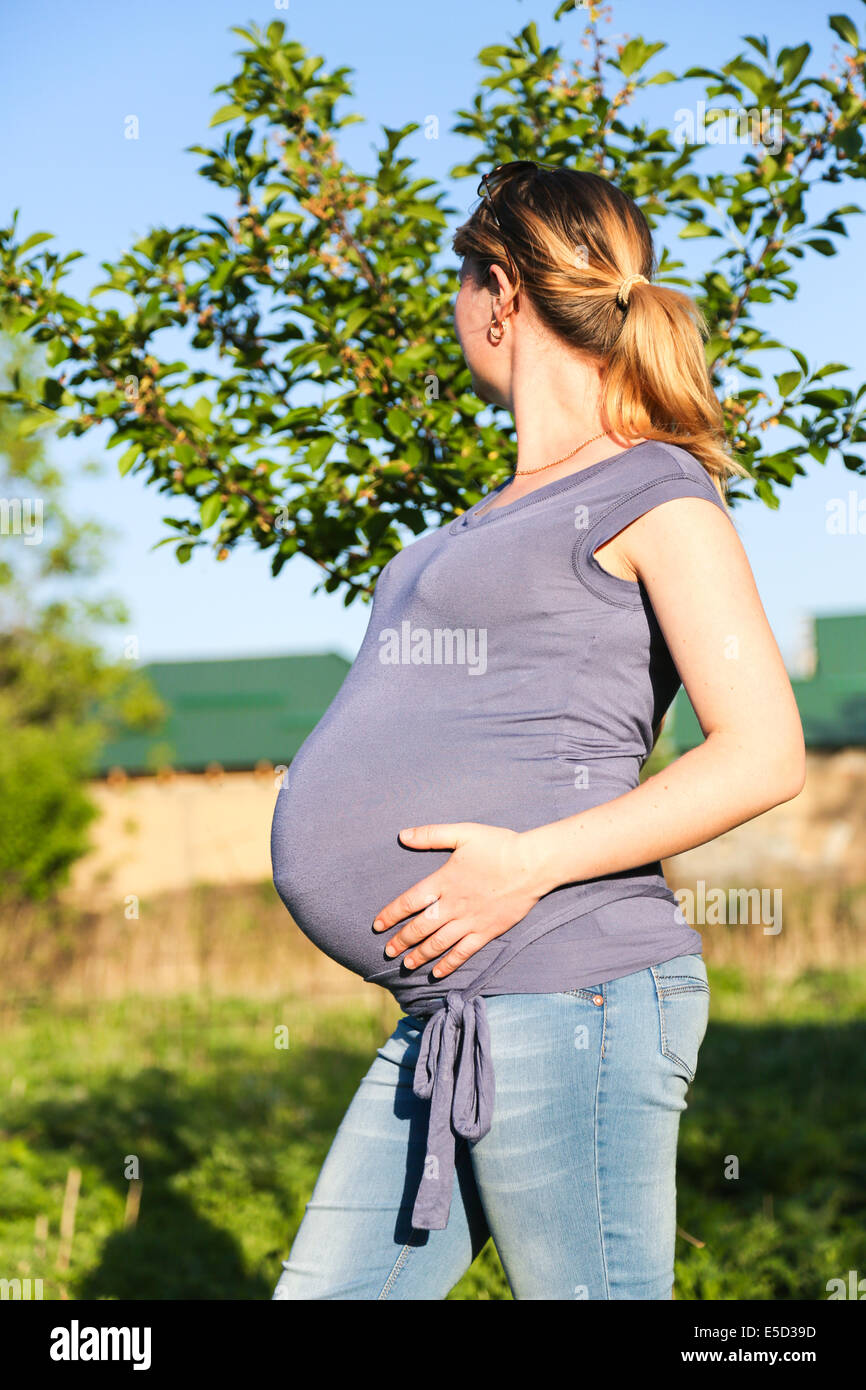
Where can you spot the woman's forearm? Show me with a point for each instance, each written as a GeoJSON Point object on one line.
{"type": "Point", "coordinates": [708, 790]}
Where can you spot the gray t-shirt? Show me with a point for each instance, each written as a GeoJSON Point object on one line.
{"type": "Point", "coordinates": [505, 678]}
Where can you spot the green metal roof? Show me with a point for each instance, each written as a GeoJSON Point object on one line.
{"type": "Point", "coordinates": [832, 702]}
{"type": "Point", "coordinates": [235, 713]}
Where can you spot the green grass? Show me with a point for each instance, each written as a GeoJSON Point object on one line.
{"type": "Point", "coordinates": [230, 1133]}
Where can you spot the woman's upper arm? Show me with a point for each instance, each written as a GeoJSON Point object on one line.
{"type": "Point", "coordinates": [687, 554]}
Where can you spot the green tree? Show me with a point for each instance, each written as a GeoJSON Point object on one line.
{"type": "Point", "coordinates": [325, 408]}
{"type": "Point", "coordinates": [59, 697]}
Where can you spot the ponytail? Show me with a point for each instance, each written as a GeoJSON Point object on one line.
{"type": "Point", "coordinates": [656, 384]}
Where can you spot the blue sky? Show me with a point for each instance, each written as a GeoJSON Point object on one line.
{"type": "Point", "coordinates": [71, 74]}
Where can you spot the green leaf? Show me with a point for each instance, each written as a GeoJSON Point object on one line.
{"type": "Point", "coordinates": [760, 44]}
{"type": "Point", "coordinates": [845, 29]}
{"type": "Point", "coordinates": [358, 457]}
{"type": "Point", "coordinates": [636, 55]}
{"type": "Point", "coordinates": [19, 322]}
{"type": "Point", "coordinates": [52, 392]}
{"type": "Point", "coordinates": [766, 493]}
{"type": "Point", "coordinates": [829, 368]}
{"type": "Point", "coordinates": [35, 239]}
{"type": "Point", "coordinates": [821, 245]}
{"type": "Point", "coordinates": [127, 459]}
{"type": "Point", "coordinates": [751, 76]}
{"type": "Point", "coordinates": [427, 212]}
{"type": "Point", "coordinates": [210, 510]}
{"type": "Point", "coordinates": [488, 56]}
{"type": "Point", "coordinates": [221, 274]}
{"type": "Point", "coordinates": [697, 229]}
{"type": "Point", "coordinates": [354, 320]}
{"type": "Point", "coordinates": [226, 113]}
{"type": "Point", "coordinates": [31, 424]}
{"type": "Point", "coordinates": [318, 451]}
{"type": "Point", "coordinates": [829, 397]}
{"type": "Point", "coordinates": [399, 422]}
{"type": "Point", "coordinates": [56, 352]}
{"type": "Point", "coordinates": [792, 60]}
{"type": "Point", "coordinates": [786, 381]}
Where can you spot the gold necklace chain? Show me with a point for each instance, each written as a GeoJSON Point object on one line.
{"type": "Point", "coordinates": [520, 472]}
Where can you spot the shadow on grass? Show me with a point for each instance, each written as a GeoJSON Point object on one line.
{"type": "Point", "coordinates": [786, 1099]}
{"type": "Point", "coordinates": [771, 1171]}
{"type": "Point", "coordinates": [202, 1147]}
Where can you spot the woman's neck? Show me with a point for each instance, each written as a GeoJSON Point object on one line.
{"type": "Point", "coordinates": [556, 404]}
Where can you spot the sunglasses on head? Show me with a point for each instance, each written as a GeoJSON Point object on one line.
{"type": "Point", "coordinates": [495, 179]}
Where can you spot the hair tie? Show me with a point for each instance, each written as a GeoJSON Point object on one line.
{"type": "Point", "coordinates": [623, 291]}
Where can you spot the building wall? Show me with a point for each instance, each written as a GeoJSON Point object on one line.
{"type": "Point", "coordinates": [159, 834]}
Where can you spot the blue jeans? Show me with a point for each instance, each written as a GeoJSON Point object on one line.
{"type": "Point", "coordinates": [575, 1181]}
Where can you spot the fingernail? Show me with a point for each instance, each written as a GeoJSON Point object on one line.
{"type": "Point", "coordinates": [407, 834]}
{"type": "Point", "coordinates": [378, 924]}
{"type": "Point", "coordinates": [409, 962]}
{"type": "Point", "coordinates": [390, 950]}
{"type": "Point", "coordinates": [436, 971]}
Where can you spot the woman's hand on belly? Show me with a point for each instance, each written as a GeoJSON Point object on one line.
{"type": "Point", "coordinates": [484, 889]}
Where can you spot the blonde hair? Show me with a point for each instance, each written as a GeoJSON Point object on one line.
{"type": "Point", "coordinates": [572, 238]}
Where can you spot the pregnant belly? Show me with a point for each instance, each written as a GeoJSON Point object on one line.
{"type": "Point", "coordinates": [336, 856]}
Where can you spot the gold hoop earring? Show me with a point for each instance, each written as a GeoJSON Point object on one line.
{"type": "Point", "coordinates": [495, 328]}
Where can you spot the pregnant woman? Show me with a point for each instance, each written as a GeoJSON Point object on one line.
{"type": "Point", "coordinates": [467, 827]}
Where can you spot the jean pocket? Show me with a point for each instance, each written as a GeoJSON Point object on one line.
{"type": "Point", "coordinates": [683, 996]}
{"type": "Point", "coordinates": [593, 994]}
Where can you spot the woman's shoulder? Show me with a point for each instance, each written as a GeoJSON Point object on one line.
{"type": "Point", "coordinates": [660, 461]}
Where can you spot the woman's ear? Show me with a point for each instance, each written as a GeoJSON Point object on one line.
{"type": "Point", "coordinates": [502, 290]}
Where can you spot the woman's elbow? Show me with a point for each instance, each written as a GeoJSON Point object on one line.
{"type": "Point", "coordinates": [779, 751]}
{"type": "Point", "coordinates": [788, 777]}
{"type": "Point", "coordinates": [774, 770]}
